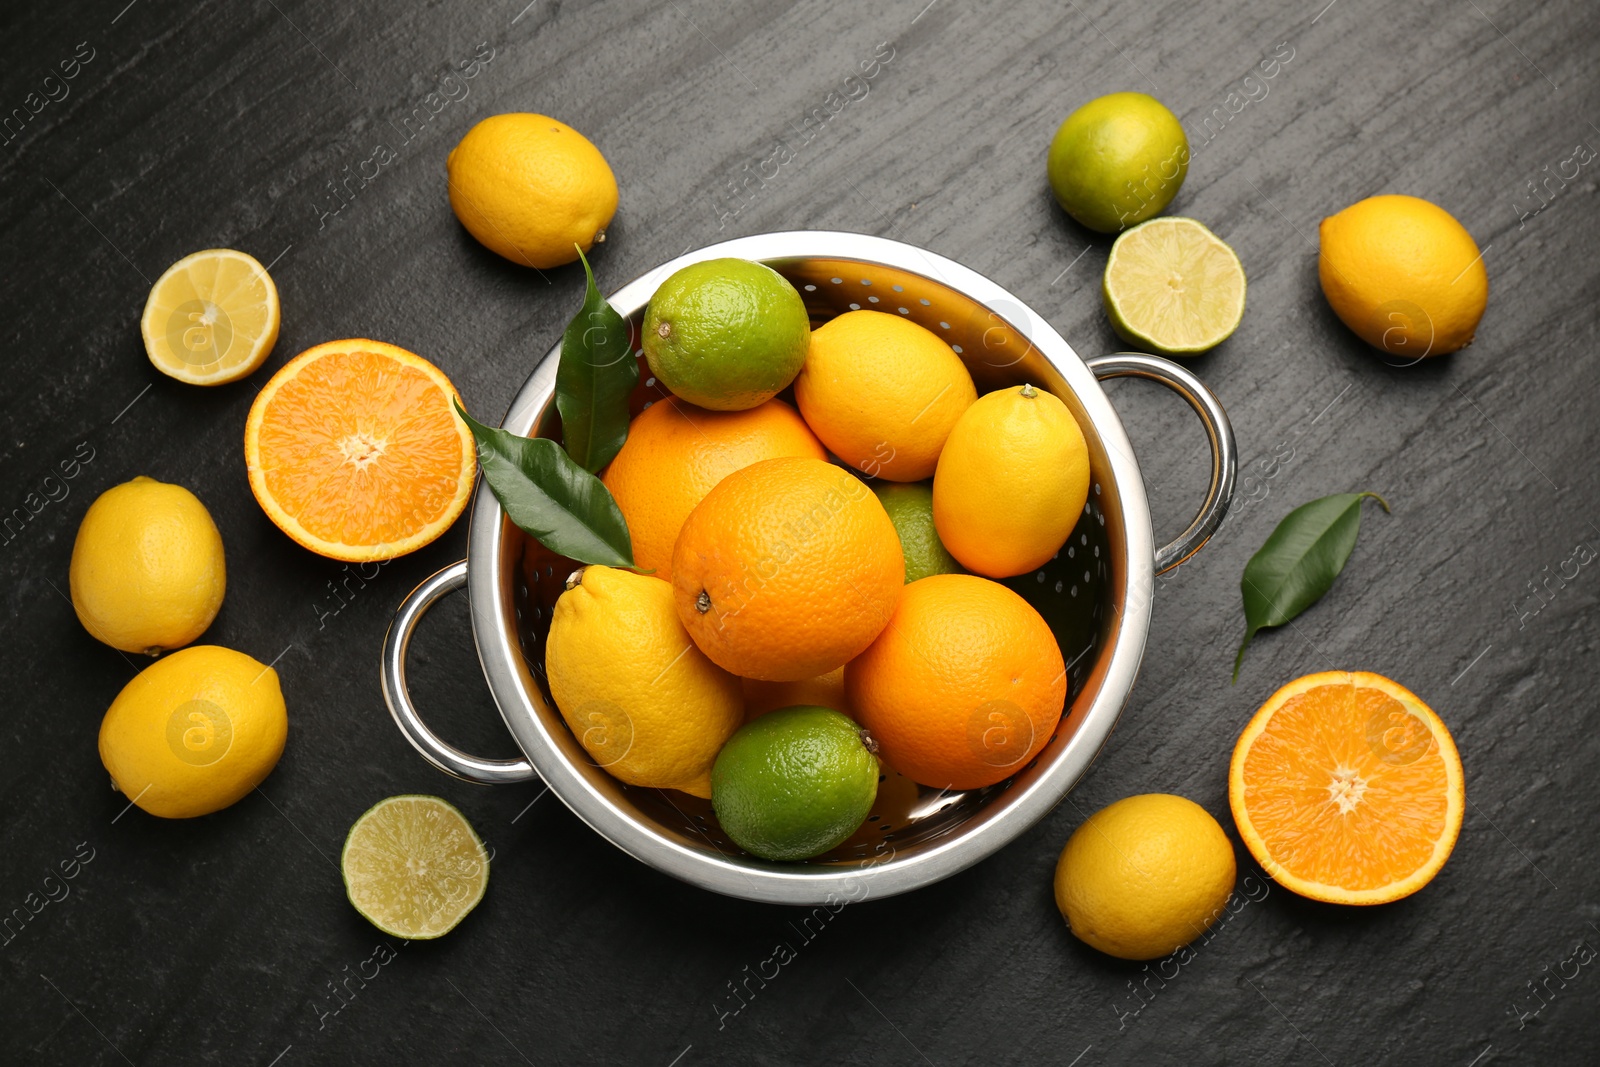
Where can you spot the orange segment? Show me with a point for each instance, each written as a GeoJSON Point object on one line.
{"type": "Point", "coordinates": [1347, 788]}
{"type": "Point", "coordinates": [355, 451]}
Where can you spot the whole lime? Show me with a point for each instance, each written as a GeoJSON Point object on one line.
{"type": "Point", "coordinates": [1118, 160]}
{"type": "Point", "coordinates": [726, 334]}
{"type": "Point", "coordinates": [794, 783]}
{"type": "Point", "coordinates": [910, 508]}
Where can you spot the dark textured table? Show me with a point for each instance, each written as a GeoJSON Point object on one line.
{"type": "Point", "coordinates": [228, 939]}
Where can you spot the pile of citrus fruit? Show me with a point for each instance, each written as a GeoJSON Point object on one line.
{"type": "Point", "coordinates": [815, 586]}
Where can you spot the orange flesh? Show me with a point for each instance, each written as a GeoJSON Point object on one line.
{"type": "Point", "coordinates": [361, 449]}
{"type": "Point", "coordinates": [1347, 787]}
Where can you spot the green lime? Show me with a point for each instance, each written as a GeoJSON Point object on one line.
{"type": "Point", "coordinates": [910, 508]}
{"type": "Point", "coordinates": [794, 783]}
{"type": "Point", "coordinates": [1173, 287]}
{"type": "Point", "coordinates": [1118, 160]}
{"type": "Point", "coordinates": [726, 334]}
{"type": "Point", "coordinates": [414, 867]}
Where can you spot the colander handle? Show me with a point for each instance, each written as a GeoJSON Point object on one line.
{"type": "Point", "coordinates": [440, 753]}
{"type": "Point", "coordinates": [1224, 452]}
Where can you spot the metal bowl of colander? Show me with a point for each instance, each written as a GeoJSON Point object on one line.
{"type": "Point", "coordinates": [1096, 593]}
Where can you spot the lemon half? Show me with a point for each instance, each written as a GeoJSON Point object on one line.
{"type": "Point", "coordinates": [212, 318]}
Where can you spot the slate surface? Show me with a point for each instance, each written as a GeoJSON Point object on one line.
{"type": "Point", "coordinates": [204, 124]}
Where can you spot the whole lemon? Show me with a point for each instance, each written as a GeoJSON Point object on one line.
{"type": "Point", "coordinates": [1012, 482]}
{"type": "Point", "coordinates": [882, 393]}
{"type": "Point", "coordinates": [644, 702]}
{"type": "Point", "coordinates": [194, 732]}
{"type": "Point", "coordinates": [1404, 275]}
{"type": "Point", "coordinates": [147, 573]}
{"type": "Point", "coordinates": [531, 188]}
{"type": "Point", "coordinates": [1145, 876]}
{"type": "Point", "coordinates": [1118, 160]}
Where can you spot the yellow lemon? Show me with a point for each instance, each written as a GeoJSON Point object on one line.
{"type": "Point", "coordinates": [1145, 876]}
{"type": "Point", "coordinates": [212, 318]}
{"type": "Point", "coordinates": [530, 188]}
{"type": "Point", "coordinates": [643, 701]}
{"type": "Point", "coordinates": [1404, 275]}
{"type": "Point", "coordinates": [1011, 483]}
{"type": "Point", "coordinates": [194, 732]}
{"type": "Point", "coordinates": [147, 573]}
{"type": "Point", "coordinates": [882, 393]}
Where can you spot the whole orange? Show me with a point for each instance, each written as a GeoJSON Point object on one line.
{"type": "Point", "coordinates": [676, 453]}
{"type": "Point", "coordinates": [882, 393]}
{"type": "Point", "coordinates": [786, 570]}
{"type": "Point", "coordinates": [963, 687]}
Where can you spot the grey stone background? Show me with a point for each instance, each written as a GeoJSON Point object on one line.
{"type": "Point", "coordinates": [200, 124]}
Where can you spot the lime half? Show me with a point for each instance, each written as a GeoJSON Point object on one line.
{"type": "Point", "coordinates": [414, 867]}
{"type": "Point", "coordinates": [1173, 287]}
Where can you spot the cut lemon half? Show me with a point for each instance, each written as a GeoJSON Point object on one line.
{"type": "Point", "coordinates": [414, 867]}
{"type": "Point", "coordinates": [1348, 789]}
{"type": "Point", "coordinates": [354, 450]}
{"type": "Point", "coordinates": [1173, 287]}
{"type": "Point", "coordinates": [212, 318]}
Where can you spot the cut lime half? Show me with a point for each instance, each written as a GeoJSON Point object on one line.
{"type": "Point", "coordinates": [414, 867]}
{"type": "Point", "coordinates": [1173, 287]}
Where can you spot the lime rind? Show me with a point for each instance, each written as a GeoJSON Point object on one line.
{"type": "Point", "coordinates": [414, 867]}
{"type": "Point", "coordinates": [726, 334]}
{"type": "Point", "coordinates": [794, 783]}
{"type": "Point", "coordinates": [1145, 305]}
{"type": "Point", "coordinates": [1118, 160]}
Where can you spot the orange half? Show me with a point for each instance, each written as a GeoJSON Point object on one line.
{"type": "Point", "coordinates": [355, 451]}
{"type": "Point", "coordinates": [1348, 789]}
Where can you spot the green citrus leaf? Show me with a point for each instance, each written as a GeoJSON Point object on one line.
{"type": "Point", "coordinates": [553, 500]}
{"type": "Point", "coordinates": [594, 378]}
{"type": "Point", "coordinates": [1299, 562]}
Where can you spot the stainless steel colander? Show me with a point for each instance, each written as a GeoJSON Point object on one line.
{"type": "Point", "coordinates": [1095, 594]}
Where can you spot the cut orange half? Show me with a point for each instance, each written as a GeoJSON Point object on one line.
{"type": "Point", "coordinates": [1347, 788]}
{"type": "Point", "coordinates": [212, 318]}
{"type": "Point", "coordinates": [355, 451]}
